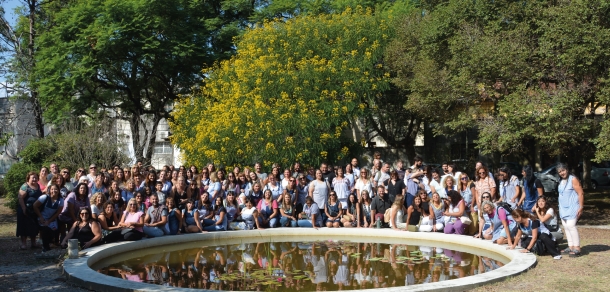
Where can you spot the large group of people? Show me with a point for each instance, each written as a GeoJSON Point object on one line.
{"type": "Point", "coordinates": [131, 203]}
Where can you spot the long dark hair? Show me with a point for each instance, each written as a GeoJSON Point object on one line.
{"type": "Point", "coordinates": [529, 177]}
{"type": "Point", "coordinates": [454, 197]}
{"type": "Point", "coordinates": [349, 202]}
{"type": "Point", "coordinates": [89, 218]}
{"type": "Point", "coordinates": [77, 190]}
{"type": "Point", "coordinates": [428, 170]}
{"type": "Point", "coordinates": [111, 203]}
{"type": "Point", "coordinates": [519, 213]}
{"type": "Point", "coordinates": [506, 170]}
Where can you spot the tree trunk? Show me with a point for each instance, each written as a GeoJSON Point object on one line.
{"type": "Point", "coordinates": [409, 145]}
{"type": "Point", "coordinates": [152, 137]}
{"type": "Point", "coordinates": [586, 172]}
{"type": "Point", "coordinates": [38, 120]}
{"type": "Point", "coordinates": [143, 137]}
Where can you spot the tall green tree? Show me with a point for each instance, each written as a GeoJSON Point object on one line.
{"type": "Point", "coordinates": [18, 45]}
{"type": "Point", "coordinates": [521, 72]}
{"type": "Point", "coordinates": [289, 93]}
{"type": "Point", "coordinates": [132, 58]}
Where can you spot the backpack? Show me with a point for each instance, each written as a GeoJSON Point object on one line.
{"type": "Point", "coordinates": [538, 248]}
{"type": "Point", "coordinates": [29, 206]}
{"type": "Point", "coordinates": [387, 215]}
{"type": "Point", "coordinates": [506, 206]}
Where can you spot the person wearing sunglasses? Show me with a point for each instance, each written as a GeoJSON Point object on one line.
{"type": "Point", "coordinates": [132, 222]}
{"type": "Point", "coordinates": [503, 227]}
{"type": "Point", "coordinates": [484, 183]}
{"type": "Point", "coordinates": [485, 230]}
{"type": "Point", "coordinates": [468, 191]}
{"type": "Point", "coordinates": [68, 181]}
{"type": "Point", "coordinates": [85, 229]}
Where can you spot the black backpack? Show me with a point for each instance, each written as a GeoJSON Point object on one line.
{"type": "Point", "coordinates": [29, 206]}
{"type": "Point", "coordinates": [506, 206]}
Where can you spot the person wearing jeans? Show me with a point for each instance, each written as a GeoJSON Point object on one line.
{"type": "Point", "coordinates": [220, 217]}
{"type": "Point", "coordinates": [156, 218]}
{"type": "Point", "coordinates": [310, 217]}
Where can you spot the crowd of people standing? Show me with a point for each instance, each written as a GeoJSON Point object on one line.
{"type": "Point", "coordinates": [109, 205]}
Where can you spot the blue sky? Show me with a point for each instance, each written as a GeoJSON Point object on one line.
{"type": "Point", "coordinates": [9, 8]}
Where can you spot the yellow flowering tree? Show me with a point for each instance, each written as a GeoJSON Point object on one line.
{"type": "Point", "coordinates": [288, 93]}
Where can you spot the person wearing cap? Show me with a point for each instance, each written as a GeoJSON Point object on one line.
{"type": "Point", "coordinates": [92, 172]}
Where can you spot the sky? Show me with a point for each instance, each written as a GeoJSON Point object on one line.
{"type": "Point", "coordinates": [9, 8]}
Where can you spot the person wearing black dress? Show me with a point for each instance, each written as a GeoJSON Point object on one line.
{"type": "Point", "coordinates": [27, 225]}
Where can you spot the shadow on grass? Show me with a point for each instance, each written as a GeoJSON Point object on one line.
{"type": "Point", "coordinates": [593, 248]}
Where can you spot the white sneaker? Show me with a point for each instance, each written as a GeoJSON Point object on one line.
{"type": "Point", "coordinates": [557, 257]}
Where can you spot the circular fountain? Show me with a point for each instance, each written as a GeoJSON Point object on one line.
{"type": "Point", "coordinates": [83, 271]}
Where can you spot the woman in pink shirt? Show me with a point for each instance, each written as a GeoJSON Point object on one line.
{"type": "Point", "coordinates": [484, 184]}
{"type": "Point", "coordinates": [132, 222]}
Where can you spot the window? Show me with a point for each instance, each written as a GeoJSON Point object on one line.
{"type": "Point", "coordinates": [163, 148]}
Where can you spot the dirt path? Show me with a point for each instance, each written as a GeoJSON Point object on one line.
{"type": "Point", "coordinates": [20, 270]}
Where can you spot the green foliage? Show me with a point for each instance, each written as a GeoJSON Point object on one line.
{"type": "Point", "coordinates": [76, 144]}
{"type": "Point", "coordinates": [518, 71]}
{"type": "Point", "coordinates": [135, 57]}
{"type": "Point", "coordinates": [4, 138]}
{"type": "Point", "coordinates": [83, 144]}
{"type": "Point", "coordinates": [286, 9]}
{"type": "Point", "coordinates": [289, 93]}
{"type": "Point", "coordinates": [14, 178]}
{"type": "Point", "coordinates": [38, 151]}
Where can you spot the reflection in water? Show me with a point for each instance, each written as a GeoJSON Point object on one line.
{"type": "Point", "coordinates": [321, 265]}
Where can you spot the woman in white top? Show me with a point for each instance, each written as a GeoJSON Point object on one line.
{"type": "Point", "coordinates": [364, 183]}
{"type": "Point", "coordinates": [274, 186]}
{"type": "Point", "coordinates": [350, 175]}
{"type": "Point", "coordinates": [285, 178]}
{"type": "Point", "coordinates": [318, 191]}
{"type": "Point", "coordinates": [435, 184]}
{"type": "Point", "coordinates": [546, 214]}
{"type": "Point", "coordinates": [426, 179]}
{"type": "Point", "coordinates": [365, 205]}
{"type": "Point", "coordinates": [342, 187]}
{"type": "Point", "coordinates": [435, 221]}
{"type": "Point", "coordinates": [97, 201]}
{"type": "Point", "coordinates": [397, 213]}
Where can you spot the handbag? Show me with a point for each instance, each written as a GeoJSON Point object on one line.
{"type": "Point", "coordinates": [387, 215]}
{"type": "Point", "coordinates": [126, 230]}
{"type": "Point", "coordinates": [465, 220]}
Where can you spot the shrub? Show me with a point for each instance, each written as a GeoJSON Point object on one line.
{"type": "Point", "coordinates": [15, 177]}
{"type": "Point", "coordinates": [38, 151]}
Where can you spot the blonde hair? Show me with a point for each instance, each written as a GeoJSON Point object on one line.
{"type": "Point", "coordinates": [213, 177]}
{"type": "Point", "coordinates": [447, 178]}
{"type": "Point", "coordinates": [460, 183]}
{"type": "Point", "coordinates": [132, 201]}
{"type": "Point", "coordinates": [94, 198]}
{"type": "Point", "coordinates": [398, 200]}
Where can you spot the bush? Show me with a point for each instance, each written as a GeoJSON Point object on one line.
{"type": "Point", "coordinates": [15, 177]}
{"type": "Point", "coordinates": [2, 189]}
{"type": "Point", "coordinates": [38, 151]}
